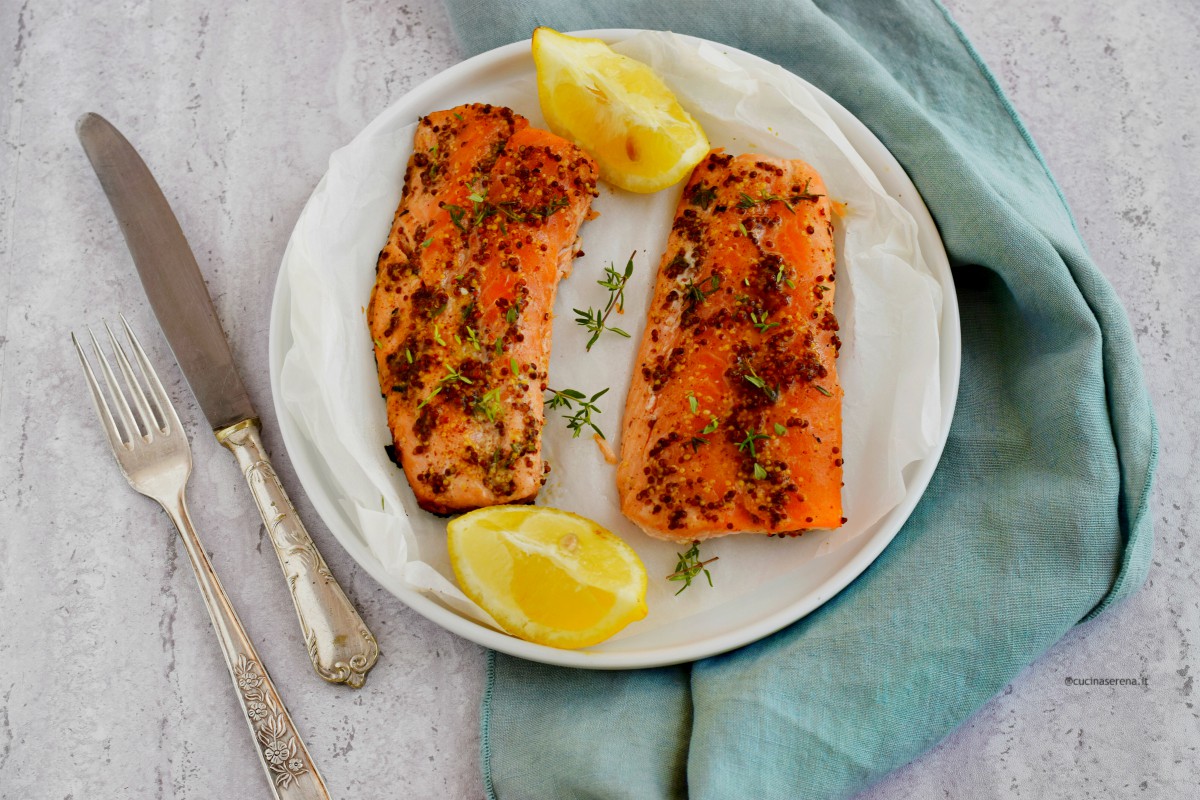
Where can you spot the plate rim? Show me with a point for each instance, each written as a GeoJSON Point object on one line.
{"type": "Point", "coordinates": [299, 447]}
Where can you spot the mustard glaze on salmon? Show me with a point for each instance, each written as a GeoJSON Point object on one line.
{"type": "Point", "coordinates": [733, 420]}
{"type": "Point", "coordinates": [461, 310]}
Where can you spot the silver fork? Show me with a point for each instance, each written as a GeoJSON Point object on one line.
{"type": "Point", "coordinates": [152, 450]}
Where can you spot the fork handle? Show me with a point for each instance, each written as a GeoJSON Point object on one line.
{"type": "Point", "coordinates": [290, 769]}
{"type": "Point", "coordinates": [340, 646]}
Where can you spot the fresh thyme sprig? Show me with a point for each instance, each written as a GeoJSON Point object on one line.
{"type": "Point", "coordinates": [489, 404]}
{"type": "Point", "coordinates": [703, 195]}
{"type": "Point", "coordinates": [752, 436]}
{"type": "Point", "coordinates": [764, 197]}
{"type": "Point", "coordinates": [697, 294]}
{"type": "Point", "coordinates": [473, 338]}
{"type": "Point", "coordinates": [452, 375]}
{"type": "Point", "coordinates": [481, 209]}
{"type": "Point", "coordinates": [690, 567]}
{"type": "Point", "coordinates": [699, 439]}
{"type": "Point", "coordinates": [805, 194]}
{"type": "Point", "coordinates": [760, 321]}
{"type": "Point", "coordinates": [570, 398]}
{"type": "Point", "coordinates": [754, 380]}
{"type": "Point", "coordinates": [594, 319]}
{"type": "Point", "coordinates": [760, 472]}
{"type": "Point", "coordinates": [781, 278]}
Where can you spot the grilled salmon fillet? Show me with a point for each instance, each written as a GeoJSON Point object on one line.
{"type": "Point", "coordinates": [733, 422]}
{"type": "Point", "coordinates": [461, 309]}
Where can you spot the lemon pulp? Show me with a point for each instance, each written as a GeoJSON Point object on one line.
{"type": "Point", "coordinates": [618, 110]}
{"type": "Point", "coordinates": [546, 575]}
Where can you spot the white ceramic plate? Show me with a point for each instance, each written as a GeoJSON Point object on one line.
{"type": "Point", "coordinates": [730, 625]}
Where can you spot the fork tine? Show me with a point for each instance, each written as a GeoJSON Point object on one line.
{"type": "Point", "coordinates": [114, 390]}
{"type": "Point", "coordinates": [145, 416]}
{"type": "Point", "coordinates": [162, 401]}
{"type": "Point", "coordinates": [102, 410]}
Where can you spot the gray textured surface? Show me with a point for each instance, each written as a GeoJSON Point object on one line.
{"type": "Point", "coordinates": [112, 685]}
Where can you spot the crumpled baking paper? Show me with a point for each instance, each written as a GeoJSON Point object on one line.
{"type": "Point", "coordinates": [887, 302]}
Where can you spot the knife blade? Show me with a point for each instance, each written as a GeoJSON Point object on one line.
{"type": "Point", "coordinates": [169, 273]}
{"type": "Point", "coordinates": [340, 646]}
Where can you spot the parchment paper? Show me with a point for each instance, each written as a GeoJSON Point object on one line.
{"type": "Point", "coordinates": [887, 303]}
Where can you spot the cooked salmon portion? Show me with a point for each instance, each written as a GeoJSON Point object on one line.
{"type": "Point", "coordinates": [733, 423]}
{"type": "Point", "coordinates": [461, 309]}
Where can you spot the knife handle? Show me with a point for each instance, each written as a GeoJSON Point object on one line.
{"type": "Point", "coordinates": [340, 646]}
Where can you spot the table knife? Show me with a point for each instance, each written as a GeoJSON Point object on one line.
{"type": "Point", "coordinates": [341, 647]}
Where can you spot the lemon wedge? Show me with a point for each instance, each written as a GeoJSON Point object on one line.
{"type": "Point", "coordinates": [618, 110]}
{"type": "Point", "coordinates": [546, 575]}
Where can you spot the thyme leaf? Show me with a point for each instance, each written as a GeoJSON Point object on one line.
{"type": "Point", "coordinates": [754, 380]}
{"type": "Point", "coordinates": [696, 293]}
{"type": "Point", "coordinates": [764, 196]}
{"type": "Point", "coordinates": [760, 321]}
{"type": "Point", "coordinates": [703, 196]}
{"type": "Point", "coordinates": [582, 406]}
{"type": "Point", "coordinates": [596, 320]}
{"type": "Point", "coordinates": [690, 567]}
{"type": "Point", "coordinates": [489, 404]}
{"type": "Point", "coordinates": [752, 436]}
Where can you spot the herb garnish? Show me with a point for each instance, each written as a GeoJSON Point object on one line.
{"type": "Point", "coordinates": [567, 399]}
{"type": "Point", "coordinates": [690, 566]}
{"type": "Point", "coordinates": [822, 390]}
{"type": "Point", "coordinates": [760, 321]}
{"type": "Point", "coordinates": [779, 277]}
{"type": "Point", "coordinates": [695, 292]}
{"type": "Point", "coordinates": [693, 404]}
{"type": "Point", "coordinates": [433, 165]}
{"type": "Point", "coordinates": [757, 382]}
{"type": "Point", "coordinates": [452, 375]}
{"type": "Point", "coordinates": [780, 430]}
{"type": "Point", "coordinates": [489, 404]}
{"type": "Point", "coordinates": [805, 194]}
{"type": "Point", "coordinates": [752, 436]}
{"type": "Point", "coordinates": [703, 195]}
{"type": "Point", "coordinates": [473, 339]}
{"type": "Point", "coordinates": [547, 211]}
{"type": "Point", "coordinates": [748, 444]}
{"type": "Point", "coordinates": [764, 197]}
{"type": "Point", "coordinates": [593, 319]}
{"type": "Point", "coordinates": [711, 427]}
{"type": "Point", "coordinates": [456, 215]}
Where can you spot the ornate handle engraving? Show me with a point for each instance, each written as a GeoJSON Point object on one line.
{"type": "Point", "coordinates": [272, 728]}
{"type": "Point", "coordinates": [340, 646]}
{"type": "Point", "coordinates": [289, 767]}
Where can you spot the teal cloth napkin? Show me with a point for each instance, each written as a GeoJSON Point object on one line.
{"type": "Point", "coordinates": [1037, 517]}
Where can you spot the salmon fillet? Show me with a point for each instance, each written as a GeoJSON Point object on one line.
{"type": "Point", "coordinates": [461, 309]}
{"type": "Point", "coordinates": [733, 424]}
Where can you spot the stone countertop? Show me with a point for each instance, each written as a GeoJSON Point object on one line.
{"type": "Point", "coordinates": [112, 685]}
